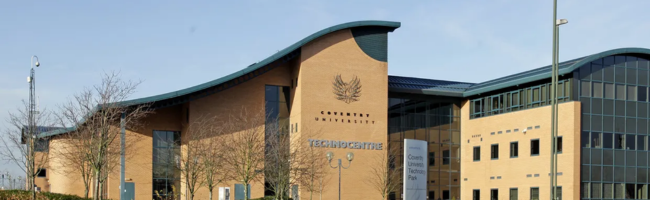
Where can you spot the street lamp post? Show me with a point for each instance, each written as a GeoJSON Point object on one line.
{"type": "Point", "coordinates": [554, 106]}
{"type": "Point", "coordinates": [350, 156]}
{"type": "Point", "coordinates": [31, 121]}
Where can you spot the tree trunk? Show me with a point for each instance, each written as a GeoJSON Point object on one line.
{"type": "Point", "coordinates": [246, 191]}
{"type": "Point", "coordinates": [96, 186]}
{"type": "Point", "coordinates": [210, 192]}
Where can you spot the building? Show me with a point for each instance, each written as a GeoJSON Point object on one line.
{"type": "Point", "coordinates": [486, 140]}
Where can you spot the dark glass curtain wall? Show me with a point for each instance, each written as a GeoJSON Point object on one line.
{"type": "Point", "coordinates": [438, 122]}
{"type": "Point", "coordinates": [613, 92]}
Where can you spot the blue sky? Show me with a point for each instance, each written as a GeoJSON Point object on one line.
{"type": "Point", "coordinates": [172, 45]}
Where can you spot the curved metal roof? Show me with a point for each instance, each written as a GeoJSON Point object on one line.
{"type": "Point", "coordinates": [545, 72]}
{"type": "Point", "coordinates": [264, 62]}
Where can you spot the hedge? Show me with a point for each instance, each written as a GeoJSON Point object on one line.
{"type": "Point", "coordinates": [22, 194]}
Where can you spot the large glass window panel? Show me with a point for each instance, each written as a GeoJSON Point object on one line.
{"type": "Point", "coordinates": [586, 156]}
{"type": "Point", "coordinates": [586, 122]}
{"type": "Point", "coordinates": [596, 156]}
{"type": "Point", "coordinates": [641, 175]}
{"type": "Point", "coordinates": [597, 106]}
{"type": "Point", "coordinates": [619, 174]}
{"type": "Point", "coordinates": [608, 173]}
{"type": "Point", "coordinates": [584, 190]}
{"type": "Point", "coordinates": [619, 158]}
{"type": "Point", "coordinates": [619, 124]}
{"type": "Point", "coordinates": [585, 89]}
{"type": "Point", "coordinates": [584, 141]}
{"type": "Point", "coordinates": [630, 175]}
{"type": "Point", "coordinates": [585, 174]}
{"type": "Point", "coordinates": [641, 142]}
{"type": "Point", "coordinates": [619, 190]}
{"type": "Point", "coordinates": [586, 104]}
{"type": "Point", "coordinates": [596, 123]}
{"type": "Point", "coordinates": [608, 190]}
{"type": "Point", "coordinates": [643, 77]}
{"type": "Point", "coordinates": [642, 109]}
{"type": "Point", "coordinates": [609, 91]}
{"type": "Point", "coordinates": [620, 108]}
{"type": "Point", "coordinates": [642, 126]}
{"type": "Point", "coordinates": [630, 125]}
{"type": "Point", "coordinates": [585, 72]}
{"type": "Point", "coordinates": [597, 72]}
{"type": "Point", "coordinates": [619, 141]}
{"type": "Point", "coordinates": [642, 93]}
{"type": "Point", "coordinates": [608, 157]}
{"type": "Point", "coordinates": [608, 73]}
{"type": "Point", "coordinates": [608, 107]}
{"type": "Point", "coordinates": [596, 189]}
{"type": "Point", "coordinates": [619, 74]}
{"type": "Point", "coordinates": [608, 123]}
{"type": "Point", "coordinates": [620, 92]}
{"type": "Point", "coordinates": [630, 158]}
{"type": "Point", "coordinates": [271, 93]}
{"type": "Point", "coordinates": [607, 141]}
{"type": "Point", "coordinates": [630, 109]}
{"type": "Point", "coordinates": [597, 90]}
{"type": "Point", "coordinates": [631, 76]}
{"type": "Point", "coordinates": [642, 158]}
{"type": "Point", "coordinates": [631, 93]}
{"type": "Point", "coordinates": [595, 140]}
{"type": "Point", "coordinates": [642, 63]}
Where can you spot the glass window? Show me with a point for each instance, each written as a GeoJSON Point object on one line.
{"type": "Point", "coordinates": [607, 141]}
{"type": "Point", "coordinates": [558, 145]}
{"type": "Point", "coordinates": [619, 191]}
{"type": "Point", "coordinates": [598, 90]}
{"type": "Point", "coordinates": [629, 142]}
{"type": "Point", "coordinates": [608, 190]}
{"type": "Point", "coordinates": [445, 157]}
{"type": "Point", "coordinates": [641, 142]}
{"type": "Point", "coordinates": [643, 77]}
{"type": "Point", "coordinates": [619, 141]}
{"type": "Point", "coordinates": [477, 153]}
{"type": "Point", "coordinates": [494, 194]}
{"type": "Point", "coordinates": [619, 74]}
{"type": "Point", "coordinates": [432, 158]}
{"type": "Point", "coordinates": [476, 194]}
{"type": "Point", "coordinates": [558, 193]}
{"type": "Point", "coordinates": [584, 141]}
{"type": "Point", "coordinates": [514, 149]}
{"type": "Point", "coordinates": [595, 140]}
{"type": "Point", "coordinates": [620, 92]}
{"type": "Point", "coordinates": [534, 193]}
{"type": "Point", "coordinates": [585, 89]}
{"type": "Point", "coordinates": [584, 190]}
{"type": "Point", "coordinates": [609, 90]}
{"type": "Point", "coordinates": [514, 194]}
{"type": "Point", "coordinates": [642, 93]}
{"type": "Point", "coordinates": [494, 152]}
{"type": "Point", "coordinates": [631, 76]}
{"type": "Point", "coordinates": [631, 93]}
{"type": "Point", "coordinates": [534, 147]}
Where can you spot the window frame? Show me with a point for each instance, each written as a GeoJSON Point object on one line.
{"type": "Point", "coordinates": [494, 155]}
{"type": "Point", "coordinates": [476, 157]}
{"type": "Point", "coordinates": [474, 194]}
{"type": "Point", "coordinates": [517, 149]}
{"type": "Point", "coordinates": [560, 141]}
{"type": "Point", "coordinates": [531, 193]}
{"type": "Point", "coordinates": [510, 193]}
{"type": "Point", "coordinates": [538, 147]}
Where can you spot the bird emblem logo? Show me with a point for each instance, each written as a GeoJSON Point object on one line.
{"type": "Point", "coordinates": [347, 92]}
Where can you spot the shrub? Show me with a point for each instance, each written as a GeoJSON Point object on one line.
{"type": "Point", "coordinates": [22, 194]}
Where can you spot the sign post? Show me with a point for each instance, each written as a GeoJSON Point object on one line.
{"type": "Point", "coordinates": [415, 169]}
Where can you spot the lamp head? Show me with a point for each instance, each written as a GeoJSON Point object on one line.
{"type": "Point", "coordinates": [561, 21]}
{"type": "Point", "coordinates": [350, 156]}
{"type": "Point", "coordinates": [330, 155]}
{"type": "Point", "coordinates": [38, 64]}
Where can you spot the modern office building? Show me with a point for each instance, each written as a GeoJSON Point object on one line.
{"type": "Point", "coordinates": [488, 140]}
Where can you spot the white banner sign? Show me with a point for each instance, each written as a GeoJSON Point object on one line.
{"type": "Point", "coordinates": [415, 169]}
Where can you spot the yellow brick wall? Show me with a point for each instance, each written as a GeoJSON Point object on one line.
{"type": "Point", "coordinates": [514, 171]}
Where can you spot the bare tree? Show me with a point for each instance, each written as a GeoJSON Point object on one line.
{"type": "Point", "coordinates": [191, 161]}
{"type": "Point", "coordinates": [211, 158]}
{"type": "Point", "coordinates": [385, 174]}
{"type": "Point", "coordinates": [96, 114]}
{"type": "Point", "coordinates": [243, 140]}
{"type": "Point", "coordinates": [21, 142]}
{"type": "Point", "coordinates": [315, 175]}
{"type": "Point", "coordinates": [74, 156]}
{"type": "Point", "coordinates": [283, 159]}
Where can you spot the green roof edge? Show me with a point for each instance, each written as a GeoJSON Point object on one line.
{"type": "Point", "coordinates": [264, 62]}
{"type": "Point", "coordinates": [562, 71]}
{"type": "Point", "coordinates": [253, 67]}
